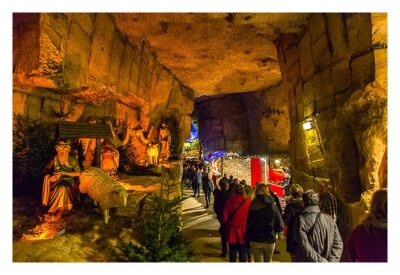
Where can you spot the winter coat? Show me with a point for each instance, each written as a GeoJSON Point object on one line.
{"type": "Point", "coordinates": [221, 181]}
{"type": "Point", "coordinates": [321, 243]}
{"type": "Point", "coordinates": [263, 220]}
{"type": "Point", "coordinates": [197, 178]}
{"type": "Point", "coordinates": [220, 198]}
{"type": "Point", "coordinates": [235, 227]}
{"type": "Point", "coordinates": [189, 174]}
{"type": "Point", "coordinates": [207, 183]}
{"type": "Point", "coordinates": [368, 245]}
{"type": "Point", "coordinates": [291, 211]}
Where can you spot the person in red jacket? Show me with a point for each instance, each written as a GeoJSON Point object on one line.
{"type": "Point", "coordinates": [235, 216]}
{"type": "Point", "coordinates": [368, 241]}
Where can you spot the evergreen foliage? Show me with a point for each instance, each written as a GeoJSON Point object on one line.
{"type": "Point", "coordinates": [32, 149]}
{"type": "Point", "coordinates": [159, 228]}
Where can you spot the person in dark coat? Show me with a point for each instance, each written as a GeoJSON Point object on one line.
{"type": "Point", "coordinates": [223, 179]}
{"type": "Point", "coordinates": [232, 186]}
{"type": "Point", "coordinates": [368, 241]}
{"type": "Point", "coordinates": [197, 182]}
{"type": "Point", "coordinates": [294, 206]}
{"type": "Point", "coordinates": [193, 179]}
{"type": "Point", "coordinates": [263, 221]}
{"type": "Point", "coordinates": [276, 199]}
{"type": "Point", "coordinates": [208, 187]}
{"type": "Point", "coordinates": [234, 217]}
{"type": "Point", "coordinates": [220, 197]}
{"type": "Point", "coordinates": [187, 176]}
{"type": "Point", "coordinates": [317, 235]}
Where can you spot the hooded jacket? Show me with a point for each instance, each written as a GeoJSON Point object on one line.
{"type": "Point", "coordinates": [264, 220]}
{"type": "Point", "coordinates": [317, 240]}
{"type": "Point", "coordinates": [291, 211]}
{"type": "Point", "coordinates": [235, 225]}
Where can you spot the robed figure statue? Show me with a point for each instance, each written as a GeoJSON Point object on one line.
{"type": "Point", "coordinates": [59, 192]}
{"type": "Point", "coordinates": [164, 138]}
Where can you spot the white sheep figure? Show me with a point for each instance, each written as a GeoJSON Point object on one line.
{"type": "Point", "coordinates": [102, 189]}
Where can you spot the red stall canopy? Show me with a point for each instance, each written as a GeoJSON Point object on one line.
{"type": "Point", "coordinates": [275, 176]}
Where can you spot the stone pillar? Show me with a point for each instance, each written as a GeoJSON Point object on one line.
{"type": "Point", "coordinates": [335, 74]}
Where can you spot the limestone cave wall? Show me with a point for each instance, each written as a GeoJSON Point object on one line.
{"type": "Point", "coordinates": [245, 123]}
{"type": "Point", "coordinates": [334, 73]}
{"type": "Point", "coordinates": [87, 61]}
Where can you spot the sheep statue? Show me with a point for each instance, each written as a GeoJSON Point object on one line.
{"type": "Point", "coordinates": [102, 189]}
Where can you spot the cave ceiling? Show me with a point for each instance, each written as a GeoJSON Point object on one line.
{"type": "Point", "coordinates": [214, 53]}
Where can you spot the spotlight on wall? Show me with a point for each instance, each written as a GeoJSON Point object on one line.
{"type": "Point", "coordinates": [307, 125]}
{"type": "Point", "coordinates": [277, 161]}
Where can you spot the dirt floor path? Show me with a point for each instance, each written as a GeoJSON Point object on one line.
{"type": "Point", "coordinates": [201, 227]}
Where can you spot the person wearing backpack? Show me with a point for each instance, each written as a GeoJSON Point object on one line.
{"type": "Point", "coordinates": [317, 235]}
{"type": "Point", "coordinates": [263, 221]}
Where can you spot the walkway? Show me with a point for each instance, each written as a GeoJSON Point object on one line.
{"type": "Point", "coordinates": [201, 227]}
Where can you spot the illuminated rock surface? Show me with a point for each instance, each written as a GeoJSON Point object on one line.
{"type": "Point", "coordinates": [86, 238]}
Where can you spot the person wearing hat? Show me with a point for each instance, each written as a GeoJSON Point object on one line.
{"type": "Point", "coordinates": [58, 191]}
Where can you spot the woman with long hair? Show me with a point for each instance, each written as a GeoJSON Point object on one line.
{"type": "Point", "coordinates": [234, 217]}
{"type": "Point", "coordinates": [263, 222]}
{"type": "Point", "coordinates": [368, 241]}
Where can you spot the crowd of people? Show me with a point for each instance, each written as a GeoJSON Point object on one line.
{"type": "Point", "coordinates": [251, 219]}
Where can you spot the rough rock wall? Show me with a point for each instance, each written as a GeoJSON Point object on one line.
{"type": "Point", "coordinates": [250, 123]}
{"type": "Point", "coordinates": [85, 58]}
{"type": "Point", "coordinates": [235, 48]}
{"type": "Point", "coordinates": [335, 74]}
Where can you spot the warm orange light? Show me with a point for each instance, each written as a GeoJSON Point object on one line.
{"type": "Point", "coordinates": [138, 187]}
{"type": "Point", "coordinates": [45, 231]}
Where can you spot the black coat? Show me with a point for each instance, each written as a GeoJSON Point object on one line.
{"type": "Point", "coordinates": [321, 244]}
{"type": "Point", "coordinates": [220, 197]}
{"type": "Point", "coordinates": [263, 220]}
{"type": "Point", "coordinates": [291, 211]}
{"type": "Point", "coordinates": [207, 184]}
{"type": "Point", "coordinates": [221, 181]}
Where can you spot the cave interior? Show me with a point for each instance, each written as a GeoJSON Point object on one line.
{"type": "Point", "coordinates": [308, 86]}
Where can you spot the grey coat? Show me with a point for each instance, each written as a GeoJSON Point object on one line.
{"type": "Point", "coordinates": [321, 243]}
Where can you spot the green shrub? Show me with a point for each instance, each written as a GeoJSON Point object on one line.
{"type": "Point", "coordinates": [159, 233]}
{"type": "Point", "coordinates": [32, 149]}
{"type": "Point", "coordinates": [159, 228]}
